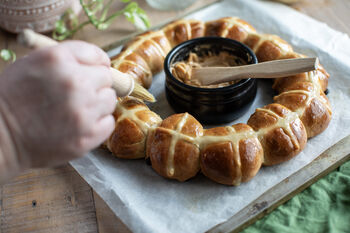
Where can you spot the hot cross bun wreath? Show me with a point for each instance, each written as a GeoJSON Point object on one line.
{"type": "Point", "coordinates": [179, 147]}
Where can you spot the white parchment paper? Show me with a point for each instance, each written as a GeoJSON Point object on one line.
{"type": "Point", "coordinates": [146, 202]}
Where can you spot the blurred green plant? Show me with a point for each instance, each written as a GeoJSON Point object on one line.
{"type": "Point", "coordinates": [7, 55]}
{"type": "Point", "coordinates": [97, 12]}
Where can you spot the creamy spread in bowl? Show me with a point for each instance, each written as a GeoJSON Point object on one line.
{"type": "Point", "coordinates": [212, 104]}
{"type": "Point", "coordinates": [182, 70]}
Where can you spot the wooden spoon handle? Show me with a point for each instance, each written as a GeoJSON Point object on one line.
{"type": "Point", "coordinates": [123, 84]}
{"type": "Point", "coordinates": [34, 40]}
{"type": "Point", "coordinates": [271, 69]}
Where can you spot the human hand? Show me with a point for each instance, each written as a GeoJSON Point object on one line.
{"type": "Point", "coordinates": [56, 104]}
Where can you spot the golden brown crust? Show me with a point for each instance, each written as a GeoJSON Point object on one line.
{"type": "Point", "coordinates": [143, 56]}
{"type": "Point", "coordinates": [218, 163]}
{"type": "Point", "coordinates": [182, 30]}
{"type": "Point", "coordinates": [133, 120]}
{"type": "Point", "coordinates": [252, 40]}
{"type": "Point", "coordinates": [268, 51]}
{"type": "Point", "coordinates": [252, 155]}
{"type": "Point", "coordinates": [322, 76]}
{"type": "Point", "coordinates": [280, 131]}
{"type": "Point", "coordinates": [316, 118]}
{"type": "Point", "coordinates": [319, 78]}
{"type": "Point", "coordinates": [172, 148]}
{"type": "Point", "coordinates": [157, 147]}
{"type": "Point", "coordinates": [230, 155]}
{"type": "Point", "coordinates": [153, 53]}
{"type": "Point", "coordinates": [309, 103]}
{"type": "Point", "coordinates": [229, 27]}
{"type": "Point", "coordinates": [126, 141]}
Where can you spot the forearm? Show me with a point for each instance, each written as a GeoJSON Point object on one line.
{"type": "Point", "coordinates": [9, 162]}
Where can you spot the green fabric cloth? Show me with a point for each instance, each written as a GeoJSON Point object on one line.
{"type": "Point", "coordinates": [323, 207]}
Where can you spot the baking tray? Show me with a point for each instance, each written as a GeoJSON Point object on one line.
{"type": "Point", "coordinates": [287, 188]}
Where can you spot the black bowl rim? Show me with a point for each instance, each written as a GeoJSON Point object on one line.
{"type": "Point", "coordinates": [208, 39]}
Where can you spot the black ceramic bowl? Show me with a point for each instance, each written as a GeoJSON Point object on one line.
{"type": "Point", "coordinates": [210, 105]}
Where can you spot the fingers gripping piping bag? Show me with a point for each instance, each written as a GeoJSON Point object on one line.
{"type": "Point", "coordinates": [146, 202]}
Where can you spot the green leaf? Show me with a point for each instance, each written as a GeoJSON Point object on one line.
{"type": "Point", "coordinates": [97, 14]}
{"type": "Point", "coordinates": [137, 16]}
{"type": "Point", "coordinates": [102, 26]}
{"type": "Point", "coordinates": [60, 26]}
{"type": "Point", "coordinates": [71, 18]}
{"type": "Point", "coordinates": [7, 55]}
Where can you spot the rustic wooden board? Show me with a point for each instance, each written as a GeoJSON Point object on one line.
{"type": "Point", "coordinates": [333, 12]}
{"type": "Point", "coordinates": [47, 200]}
{"type": "Point", "coordinates": [107, 221]}
{"type": "Point", "coordinates": [66, 203]}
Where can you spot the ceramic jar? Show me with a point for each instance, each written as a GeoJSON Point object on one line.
{"type": "Point", "coordinates": [39, 15]}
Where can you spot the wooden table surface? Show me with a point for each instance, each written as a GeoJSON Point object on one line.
{"type": "Point", "coordinates": [58, 199]}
